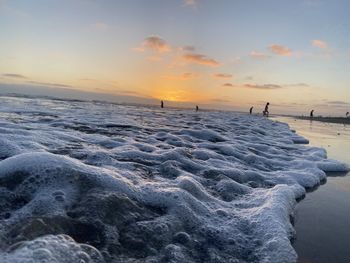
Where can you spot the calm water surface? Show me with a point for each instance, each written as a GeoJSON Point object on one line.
{"type": "Point", "coordinates": [322, 219]}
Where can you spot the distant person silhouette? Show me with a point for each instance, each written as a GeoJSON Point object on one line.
{"type": "Point", "coordinates": [251, 110]}
{"type": "Point", "coordinates": [312, 114]}
{"type": "Point", "coordinates": [347, 114]}
{"type": "Point", "coordinates": [266, 111]}
{"type": "Point", "coordinates": [161, 104]}
{"type": "Point", "coordinates": [197, 108]}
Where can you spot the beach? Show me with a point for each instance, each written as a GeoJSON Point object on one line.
{"type": "Point", "coordinates": [116, 183]}
{"type": "Point", "coordinates": [183, 131]}
{"type": "Point", "coordinates": [322, 217]}
{"type": "Point", "coordinates": [339, 120]}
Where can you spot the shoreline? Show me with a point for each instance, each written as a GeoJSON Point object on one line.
{"type": "Point", "coordinates": [339, 120]}
{"type": "Point", "coordinates": [320, 218]}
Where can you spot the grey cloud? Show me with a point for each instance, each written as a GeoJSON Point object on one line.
{"type": "Point", "coordinates": [50, 84]}
{"type": "Point", "coordinates": [13, 75]}
{"type": "Point", "coordinates": [263, 86]}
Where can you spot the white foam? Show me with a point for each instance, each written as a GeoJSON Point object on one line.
{"type": "Point", "coordinates": [47, 249]}
{"type": "Point", "coordinates": [226, 183]}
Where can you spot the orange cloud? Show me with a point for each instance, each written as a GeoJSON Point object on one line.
{"type": "Point", "coordinates": [155, 44]}
{"type": "Point", "coordinates": [200, 59]}
{"type": "Point", "coordinates": [188, 75]}
{"type": "Point", "coordinates": [319, 43]}
{"type": "Point", "coordinates": [222, 76]}
{"type": "Point", "coordinates": [228, 85]}
{"type": "Point", "coordinates": [258, 55]}
{"type": "Point", "coordinates": [154, 58]}
{"type": "Point", "coordinates": [99, 26]}
{"type": "Point", "coordinates": [183, 76]}
{"type": "Point", "coordinates": [280, 50]}
{"type": "Point", "coordinates": [192, 3]}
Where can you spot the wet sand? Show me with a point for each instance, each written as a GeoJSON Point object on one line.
{"type": "Point", "coordinates": [322, 218]}
{"type": "Point", "coordinates": [340, 120]}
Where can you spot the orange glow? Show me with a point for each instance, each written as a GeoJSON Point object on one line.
{"type": "Point", "coordinates": [175, 90]}
{"type": "Point", "coordinates": [168, 92]}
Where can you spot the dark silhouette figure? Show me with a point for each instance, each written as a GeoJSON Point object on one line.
{"type": "Point", "coordinates": [266, 111]}
{"type": "Point", "coordinates": [161, 104]}
{"type": "Point", "coordinates": [312, 114]}
{"type": "Point", "coordinates": [347, 114]}
{"type": "Point", "coordinates": [197, 108]}
{"type": "Point", "coordinates": [251, 110]}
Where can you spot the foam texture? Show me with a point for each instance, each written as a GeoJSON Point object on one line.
{"type": "Point", "coordinates": [95, 182]}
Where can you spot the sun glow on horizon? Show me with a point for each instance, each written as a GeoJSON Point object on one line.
{"type": "Point", "coordinates": [207, 52]}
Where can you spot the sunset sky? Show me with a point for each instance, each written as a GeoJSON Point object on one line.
{"type": "Point", "coordinates": [227, 54]}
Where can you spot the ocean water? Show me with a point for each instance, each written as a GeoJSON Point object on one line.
{"type": "Point", "coordinates": [322, 218]}
{"type": "Point", "coordinates": [98, 182]}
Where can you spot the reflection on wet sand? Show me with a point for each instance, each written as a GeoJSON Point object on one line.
{"type": "Point", "coordinates": [322, 217]}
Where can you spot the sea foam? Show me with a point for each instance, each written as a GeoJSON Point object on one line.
{"type": "Point", "coordinates": [95, 182]}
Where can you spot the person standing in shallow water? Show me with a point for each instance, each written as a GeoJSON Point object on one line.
{"type": "Point", "coordinates": [161, 104]}
{"type": "Point", "coordinates": [251, 110]}
{"type": "Point", "coordinates": [197, 108]}
{"type": "Point", "coordinates": [266, 111]}
{"type": "Point", "coordinates": [312, 114]}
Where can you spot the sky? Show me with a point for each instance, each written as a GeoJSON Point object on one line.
{"type": "Point", "coordinates": [224, 54]}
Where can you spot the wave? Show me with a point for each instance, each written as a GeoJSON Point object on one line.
{"type": "Point", "coordinates": [94, 182]}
